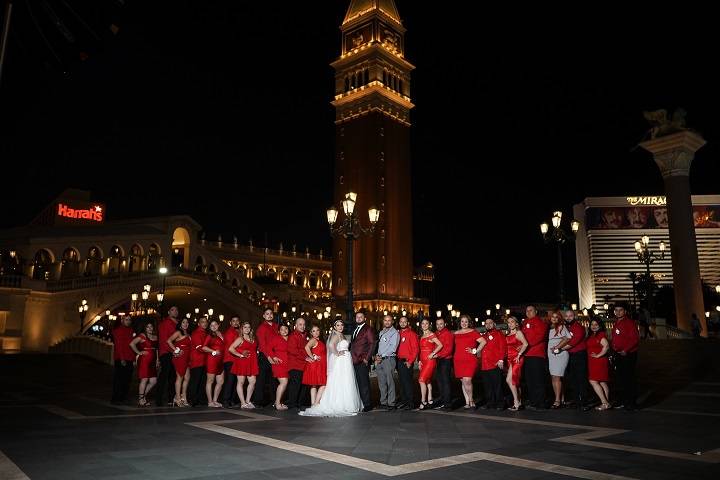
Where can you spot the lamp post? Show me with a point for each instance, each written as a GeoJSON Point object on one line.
{"type": "Point", "coordinates": [140, 303]}
{"type": "Point", "coordinates": [647, 257]}
{"type": "Point", "coordinates": [350, 229]}
{"type": "Point", "coordinates": [558, 236]}
{"type": "Point", "coordinates": [82, 310]}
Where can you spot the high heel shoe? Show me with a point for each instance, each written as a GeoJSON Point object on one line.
{"type": "Point", "coordinates": [423, 406]}
{"type": "Point", "coordinates": [142, 402]}
{"type": "Point", "coordinates": [177, 402]}
{"type": "Point", "coordinates": [184, 402]}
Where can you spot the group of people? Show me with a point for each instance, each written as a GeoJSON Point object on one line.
{"type": "Point", "coordinates": [232, 367]}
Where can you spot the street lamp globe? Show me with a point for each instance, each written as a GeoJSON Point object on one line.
{"type": "Point", "coordinates": [556, 219]}
{"type": "Point", "coordinates": [438, 313]}
{"type": "Point", "coordinates": [374, 215]}
{"type": "Point", "coordinates": [163, 270]}
{"type": "Point", "coordinates": [544, 227]}
{"type": "Point", "coordinates": [348, 206]}
{"type": "Point", "coordinates": [332, 214]}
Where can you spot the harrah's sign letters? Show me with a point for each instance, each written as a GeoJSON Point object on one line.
{"type": "Point", "coordinates": [92, 214]}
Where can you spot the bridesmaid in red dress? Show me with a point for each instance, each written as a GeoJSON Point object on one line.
{"type": "Point", "coordinates": [214, 346]}
{"type": "Point", "coordinates": [180, 344]}
{"type": "Point", "coordinates": [516, 346]}
{"type": "Point", "coordinates": [315, 374]}
{"type": "Point", "coordinates": [597, 349]}
{"type": "Point", "coordinates": [145, 346]}
{"type": "Point", "coordinates": [245, 363]}
{"type": "Point", "coordinates": [429, 347]}
{"type": "Point", "coordinates": [465, 361]}
{"type": "Point", "coordinates": [279, 354]}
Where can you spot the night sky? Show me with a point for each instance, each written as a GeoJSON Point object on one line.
{"type": "Point", "coordinates": [220, 110]}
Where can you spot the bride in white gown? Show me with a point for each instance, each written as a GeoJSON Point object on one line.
{"type": "Point", "coordinates": [341, 397]}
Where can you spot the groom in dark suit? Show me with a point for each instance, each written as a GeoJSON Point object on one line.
{"type": "Point", "coordinates": [361, 348]}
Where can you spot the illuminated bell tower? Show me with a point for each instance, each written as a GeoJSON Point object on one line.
{"type": "Point", "coordinates": [372, 147]}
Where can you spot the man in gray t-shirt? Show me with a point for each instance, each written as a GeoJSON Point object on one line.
{"type": "Point", "coordinates": [388, 340]}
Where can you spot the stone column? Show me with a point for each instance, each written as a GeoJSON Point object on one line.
{"type": "Point", "coordinates": [674, 154]}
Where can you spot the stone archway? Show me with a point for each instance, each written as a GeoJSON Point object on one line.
{"type": "Point", "coordinates": [180, 248]}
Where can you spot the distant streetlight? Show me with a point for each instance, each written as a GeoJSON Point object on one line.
{"type": "Point", "coordinates": [82, 310]}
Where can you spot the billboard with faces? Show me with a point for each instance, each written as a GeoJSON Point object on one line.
{"type": "Point", "coordinates": [655, 216]}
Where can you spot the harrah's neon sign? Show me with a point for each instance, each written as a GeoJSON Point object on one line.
{"type": "Point", "coordinates": [94, 214]}
{"type": "Point", "coordinates": [660, 201]}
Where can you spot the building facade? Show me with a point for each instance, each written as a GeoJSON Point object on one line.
{"type": "Point", "coordinates": [609, 227]}
{"type": "Point", "coordinates": [70, 253]}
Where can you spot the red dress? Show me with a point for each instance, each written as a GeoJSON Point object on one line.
{"type": "Point", "coordinates": [147, 364]}
{"type": "Point", "coordinates": [515, 360]}
{"type": "Point", "coordinates": [428, 366]}
{"type": "Point", "coordinates": [247, 366]}
{"type": "Point", "coordinates": [214, 363]}
{"type": "Point", "coordinates": [597, 367]}
{"type": "Point", "coordinates": [182, 360]}
{"type": "Point", "coordinates": [279, 349]}
{"type": "Point", "coordinates": [316, 372]}
{"type": "Point", "coordinates": [464, 363]}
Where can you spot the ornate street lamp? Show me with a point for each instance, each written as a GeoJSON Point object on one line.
{"type": "Point", "coordinates": [647, 257]}
{"type": "Point", "coordinates": [350, 229]}
{"type": "Point", "coordinates": [558, 236]}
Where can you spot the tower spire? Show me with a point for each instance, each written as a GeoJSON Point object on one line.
{"type": "Point", "coordinates": [359, 8]}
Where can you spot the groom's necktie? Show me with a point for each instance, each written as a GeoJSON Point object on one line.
{"type": "Point", "coordinates": [357, 329]}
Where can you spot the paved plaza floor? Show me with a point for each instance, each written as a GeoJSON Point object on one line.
{"type": "Point", "coordinates": [56, 423]}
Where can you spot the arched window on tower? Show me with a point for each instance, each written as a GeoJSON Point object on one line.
{"type": "Point", "coordinates": [400, 86]}
{"type": "Point", "coordinates": [347, 84]}
{"type": "Point", "coordinates": [354, 83]}
{"type": "Point", "coordinates": [384, 78]}
{"type": "Point", "coordinates": [367, 76]}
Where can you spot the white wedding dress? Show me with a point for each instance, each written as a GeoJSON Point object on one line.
{"type": "Point", "coordinates": [341, 397]}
